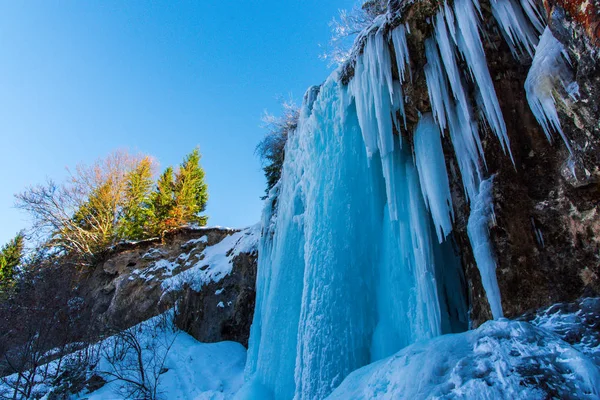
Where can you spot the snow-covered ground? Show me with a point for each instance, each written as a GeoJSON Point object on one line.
{"type": "Point", "coordinates": [175, 363]}
{"type": "Point", "coordinates": [501, 359]}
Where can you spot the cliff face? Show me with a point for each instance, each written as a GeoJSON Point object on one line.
{"type": "Point", "coordinates": [136, 281]}
{"type": "Point", "coordinates": [546, 230]}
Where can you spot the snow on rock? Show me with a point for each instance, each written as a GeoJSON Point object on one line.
{"type": "Point", "coordinates": [549, 75]}
{"type": "Point", "coordinates": [576, 323]}
{"type": "Point", "coordinates": [215, 262]}
{"type": "Point", "coordinates": [499, 360]}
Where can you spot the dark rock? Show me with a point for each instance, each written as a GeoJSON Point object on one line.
{"type": "Point", "coordinates": [221, 310]}
{"type": "Point", "coordinates": [547, 230]}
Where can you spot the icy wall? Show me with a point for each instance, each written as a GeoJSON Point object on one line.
{"type": "Point", "coordinates": [347, 275]}
{"type": "Point", "coordinates": [356, 259]}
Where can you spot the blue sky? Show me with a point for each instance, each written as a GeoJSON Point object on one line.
{"type": "Point", "coordinates": [79, 79]}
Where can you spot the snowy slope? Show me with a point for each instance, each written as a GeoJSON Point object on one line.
{"type": "Point", "coordinates": [191, 370]}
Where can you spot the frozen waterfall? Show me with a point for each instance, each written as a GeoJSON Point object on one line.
{"type": "Point", "coordinates": [356, 259]}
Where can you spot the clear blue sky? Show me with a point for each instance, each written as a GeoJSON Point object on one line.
{"type": "Point", "coordinates": [79, 79]}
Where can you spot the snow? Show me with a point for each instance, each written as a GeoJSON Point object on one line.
{"type": "Point", "coordinates": [482, 215]}
{"type": "Point", "coordinates": [157, 268]}
{"type": "Point", "coordinates": [499, 360]}
{"type": "Point", "coordinates": [576, 323]}
{"type": "Point", "coordinates": [549, 74]}
{"type": "Point", "coordinates": [194, 370]}
{"type": "Point", "coordinates": [215, 262]}
{"type": "Point", "coordinates": [193, 242]}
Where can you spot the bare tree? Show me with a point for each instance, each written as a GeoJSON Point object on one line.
{"type": "Point", "coordinates": [137, 357]}
{"type": "Point", "coordinates": [80, 215]}
{"type": "Point", "coordinates": [40, 318]}
{"type": "Point", "coordinates": [347, 25]}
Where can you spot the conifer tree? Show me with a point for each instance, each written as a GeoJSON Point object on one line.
{"type": "Point", "coordinates": [162, 203]}
{"type": "Point", "coordinates": [191, 192]}
{"type": "Point", "coordinates": [136, 217]}
{"type": "Point", "coordinates": [10, 258]}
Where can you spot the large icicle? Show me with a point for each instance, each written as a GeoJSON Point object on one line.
{"type": "Point", "coordinates": [336, 254]}
{"type": "Point", "coordinates": [431, 164]}
{"type": "Point", "coordinates": [482, 214]}
{"type": "Point", "coordinates": [453, 114]}
{"type": "Point", "coordinates": [549, 74]}
{"type": "Point", "coordinates": [469, 44]}
{"type": "Point", "coordinates": [515, 26]}
{"type": "Point", "coordinates": [378, 98]}
{"type": "Point", "coordinates": [533, 13]}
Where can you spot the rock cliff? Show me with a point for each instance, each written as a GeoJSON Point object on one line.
{"type": "Point", "coordinates": [546, 230]}
{"type": "Point", "coordinates": [136, 281]}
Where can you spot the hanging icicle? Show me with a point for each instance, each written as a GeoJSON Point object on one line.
{"type": "Point", "coordinates": [549, 74]}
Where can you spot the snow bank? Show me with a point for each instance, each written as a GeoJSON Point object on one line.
{"type": "Point", "coordinates": [500, 360]}
{"type": "Point", "coordinates": [191, 370]}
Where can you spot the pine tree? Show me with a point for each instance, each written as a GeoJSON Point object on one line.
{"type": "Point", "coordinates": [191, 192]}
{"type": "Point", "coordinates": [137, 212]}
{"type": "Point", "coordinates": [162, 203]}
{"type": "Point", "coordinates": [10, 258]}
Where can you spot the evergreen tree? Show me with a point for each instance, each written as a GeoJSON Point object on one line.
{"type": "Point", "coordinates": [162, 203]}
{"type": "Point", "coordinates": [191, 192]}
{"type": "Point", "coordinates": [137, 212]}
{"type": "Point", "coordinates": [10, 258]}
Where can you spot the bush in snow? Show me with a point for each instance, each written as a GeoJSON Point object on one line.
{"type": "Point", "coordinates": [271, 148]}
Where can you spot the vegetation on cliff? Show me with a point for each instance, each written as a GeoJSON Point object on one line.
{"type": "Point", "coordinates": [115, 199]}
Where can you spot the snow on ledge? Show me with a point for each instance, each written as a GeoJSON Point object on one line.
{"type": "Point", "coordinates": [216, 261]}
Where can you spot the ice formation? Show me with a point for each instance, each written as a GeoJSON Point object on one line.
{"type": "Point", "coordinates": [520, 35]}
{"type": "Point", "coordinates": [332, 253]}
{"type": "Point", "coordinates": [549, 75]}
{"type": "Point", "coordinates": [500, 360]}
{"type": "Point", "coordinates": [431, 164]}
{"type": "Point", "coordinates": [355, 261]}
{"type": "Point", "coordinates": [482, 215]}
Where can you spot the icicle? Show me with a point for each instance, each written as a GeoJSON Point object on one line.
{"type": "Point", "coordinates": [463, 131]}
{"type": "Point", "coordinates": [436, 84]}
{"type": "Point", "coordinates": [549, 70]}
{"type": "Point", "coordinates": [533, 13]}
{"type": "Point", "coordinates": [377, 103]}
{"type": "Point", "coordinates": [401, 50]}
{"type": "Point", "coordinates": [515, 27]}
{"type": "Point", "coordinates": [373, 74]}
{"type": "Point", "coordinates": [431, 164]}
{"type": "Point", "coordinates": [469, 44]}
{"type": "Point", "coordinates": [482, 212]}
